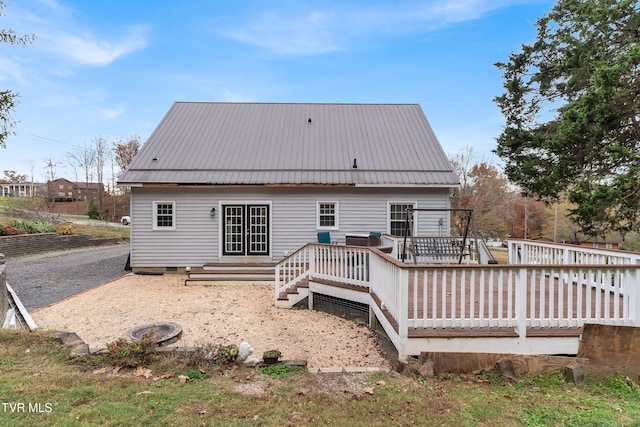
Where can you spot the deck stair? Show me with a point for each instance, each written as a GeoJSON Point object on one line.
{"type": "Point", "coordinates": [232, 272]}
{"type": "Point", "coordinates": [294, 294]}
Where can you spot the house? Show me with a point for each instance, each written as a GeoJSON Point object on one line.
{"type": "Point", "coordinates": [63, 190]}
{"type": "Point", "coordinates": [20, 189]}
{"type": "Point", "coordinates": [254, 182]}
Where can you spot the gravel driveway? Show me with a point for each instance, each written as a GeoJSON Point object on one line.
{"type": "Point", "coordinates": [40, 280]}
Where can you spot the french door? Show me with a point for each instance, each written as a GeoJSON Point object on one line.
{"type": "Point", "coordinates": [245, 230]}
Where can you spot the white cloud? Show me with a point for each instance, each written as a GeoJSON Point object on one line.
{"type": "Point", "coordinates": [87, 49]}
{"type": "Point", "coordinates": [317, 32]}
{"type": "Point", "coordinates": [60, 32]}
{"type": "Point", "coordinates": [111, 113]}
{"type": "Point", "coordinates": [283, 35]}
{"type": "Point", "coordinates": [463, 10]}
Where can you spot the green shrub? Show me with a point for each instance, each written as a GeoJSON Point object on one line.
{"type": "Point", "coordinates": [136, 353]}
{"type": "Point", "coordinates": [227, 354]}
{"type": "Point", "coordinates": [271, 353]}
{"type": "Point", "coordinates": [92, 210]}
{"type": "Point", "coordinates": [33, 227]}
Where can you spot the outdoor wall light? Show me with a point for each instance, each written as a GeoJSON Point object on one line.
{"type": "Point", "coordinates": [213, 212]}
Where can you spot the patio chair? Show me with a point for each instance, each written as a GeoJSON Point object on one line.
{"type": "Point", "coordinates": [324, 237]}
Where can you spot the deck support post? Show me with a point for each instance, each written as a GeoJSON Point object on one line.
{"type": "Point", "coordinates": [634, 296]}
{"type": "Point", "coordinates": [403, 310]}
{"type": "Point", "coordinates": [521, 303]}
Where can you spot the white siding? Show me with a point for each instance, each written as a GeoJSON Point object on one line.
{"type": "Point", "coordinates": [196, 239]}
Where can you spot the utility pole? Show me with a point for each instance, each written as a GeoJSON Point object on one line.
{"type": "Point", "coordinates": [526, 216]}
{"type": "Point", "coordinates": [555, 225]}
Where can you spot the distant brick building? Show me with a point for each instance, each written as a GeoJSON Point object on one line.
{"type": "Point", "coordinates": [63, 190]}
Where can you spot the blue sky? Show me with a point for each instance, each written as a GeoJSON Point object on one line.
{"type": "Point", "coordinates": [113, 68]}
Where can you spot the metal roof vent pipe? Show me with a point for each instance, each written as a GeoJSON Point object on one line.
{"type": "Point", "coordinates": [309, 121]}
{"type": "Point", "coordinates": [355, 164]}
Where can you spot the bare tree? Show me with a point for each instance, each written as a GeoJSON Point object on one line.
{"type": "Point", "coordinates": [73, 163]}
{"type": "Point", "coordinates": [486, 190]}
{"type": "Point", "coordinates": [32, 168]}
{"type": "Point", "coordinates": [100, 149]}
{"type": "Point", "coordinates": [463, 162]}
{"type": "Point", "coordinates": [50, 173]}
{"type": "Point", "coordinates": [85, 159]}
{"type": "Point", "coordinates": [125, 151]}
{"type": "Point", "coordinates": [463, 197]}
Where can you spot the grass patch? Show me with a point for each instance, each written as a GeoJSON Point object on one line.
{"type": "Point", "coordinates": [194, 374]}
{"type": "Point", "coordinates": [281, 371]}
{"type": "Point", "coordinates": [69, 390]}
{"type": "Point", "coordinates": [103, 231]}
{"type": "Point", "coordinates": [500, 254]}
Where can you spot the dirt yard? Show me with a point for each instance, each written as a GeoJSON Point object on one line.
{"type": "Point", "coordinates": [216, 313]}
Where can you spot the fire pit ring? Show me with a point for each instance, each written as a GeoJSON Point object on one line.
{"type": "Point", "coordinates": [164, 332]}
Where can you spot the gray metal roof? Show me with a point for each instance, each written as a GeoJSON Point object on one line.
{"type": "Point", "coordinates": [265, 143]}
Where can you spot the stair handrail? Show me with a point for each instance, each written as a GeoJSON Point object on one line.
{"type": "Point", "coordinates": [291, 269]}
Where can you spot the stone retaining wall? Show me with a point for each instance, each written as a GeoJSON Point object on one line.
{"type": "Point", "coordinates": [4, 298]}
{"type": "Point", "coordinates": [27, 244]}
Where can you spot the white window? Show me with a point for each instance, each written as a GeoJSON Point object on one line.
{"type": "Point", "coordinates": [164, 215]}
{"type": "Point", "coordinates": [398, 218]}
{"type": "Point", "coordinates": [327, 216]}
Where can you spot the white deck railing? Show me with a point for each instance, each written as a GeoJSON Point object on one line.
{"type": "Point", "coordinates": [521, 297]}
{"type": "Point", "coordinates": [348, 264]}
{"type": "Point", "coordinates": [471, 296]}
{"type": "Point", "coordinates": [516, 297]}
{"type": "Point", "coordinates": [532, 252]}
{"type": "Point", "coordinates": [293, 269]}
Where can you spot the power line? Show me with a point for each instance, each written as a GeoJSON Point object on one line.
{"type": "Point", "coordinates": [49, 139]}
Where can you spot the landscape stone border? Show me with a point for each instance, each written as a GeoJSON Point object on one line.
{"type": "Point", "coordinates": [29, 244]}
{"type": "Point", "coordinates": [4, 294]}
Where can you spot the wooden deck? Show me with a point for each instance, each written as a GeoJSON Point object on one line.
{"type": "Point", "coordinates": [529, 309]}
